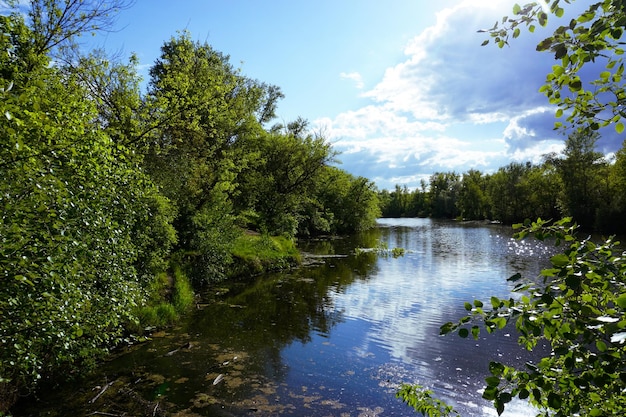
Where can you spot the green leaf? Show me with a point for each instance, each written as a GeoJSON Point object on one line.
{"type": "Point", "coordinates": [621, 301]}
{"type": "Point", "coordinates": [463, 333]}
{"type": "Point", "coordinates": [619, 127]}
{"type": "Point", "coordinates": [559, 260]}
{"type": "Point", "coordinates": [475, 332]}
{"type": "Point", "coordinates": [490, 393]}
{"type": "Point", "coordinates": [575, 85]}
{"type": "Point", "coordinates": [468, 306]}
{"type": "Point", "coordinates": [492, 381]}
{"type": "Point", "coordinates": [554, 400]}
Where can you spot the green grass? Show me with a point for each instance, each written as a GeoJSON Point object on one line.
{"type": "Point", "coordinates": [170, 295]}
{"type": "Point", "coordinates": [255, 254]}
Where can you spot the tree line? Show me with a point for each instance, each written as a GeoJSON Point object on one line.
{"type": "Point", "coordinates": [105, 183]}
{"type": "Point", "coordinates": [579, 182]}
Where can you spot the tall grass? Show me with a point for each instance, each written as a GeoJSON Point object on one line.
{"type": "Point", "coordinates": [255, 254]}
{"type": "Point", "coordinates": [170, 295]}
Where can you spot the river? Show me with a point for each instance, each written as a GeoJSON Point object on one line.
{"type": "Point", "coordinates": [333, 338]}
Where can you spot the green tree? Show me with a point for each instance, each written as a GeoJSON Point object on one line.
{"type": "Point", "coordinates": [82, 227]}
{"type": "Point", "coordinates": [473, 200]}
{"type": "Point", "coordinates": [398, 202]}
{"type": "Point", "coordinates": [280, 184]}
{"type": "Point", "coordinates": [114, 88]}
{"type": "Point", "coordinates": [444, 191]}
{"type": "Point", "coordinates": [204, 117]}
{"type": "Point", "coordinates": [352, 202]}
{"type": "Point", "coordinates": [618, 178]}
{"type": "Point", "coordinates": [582, 171]}
{"type": "Point", "coordinates": [544, 185]}
{"type": "Point", "coordinates": [509, 193]}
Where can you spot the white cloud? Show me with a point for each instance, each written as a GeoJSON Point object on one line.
{"type": "Point", "coordinates": [450, 104]}
{"type": "Point", "coordinates": [354, 76]}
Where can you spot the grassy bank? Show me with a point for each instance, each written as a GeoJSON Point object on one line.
{"type": "Point", "coordinates": [169, 296]}
{"type": "Point", "coordinates": [254, 254]}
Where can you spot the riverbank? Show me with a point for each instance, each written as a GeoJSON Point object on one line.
{"type": "Point", "coordinates": [171, 296]}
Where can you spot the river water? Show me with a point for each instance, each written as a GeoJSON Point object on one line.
{"type": "Point", "coordinates": [333, 338]}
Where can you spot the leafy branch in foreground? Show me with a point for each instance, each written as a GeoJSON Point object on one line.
{"type": "Point", "coordinates": [423, 402]}
{"type": "Point", "coordinates": [593, 38]}
{"type": "Point", "coordinates": [578, 308]}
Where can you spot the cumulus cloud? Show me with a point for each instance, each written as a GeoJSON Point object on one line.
{"type": "Point", "coordinates": [354, 76]}
{"type": "Point", "coordinates": [450, 104]}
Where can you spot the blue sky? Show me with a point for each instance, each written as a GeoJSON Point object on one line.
{"type": "Point", "coordinates": [402, 88]}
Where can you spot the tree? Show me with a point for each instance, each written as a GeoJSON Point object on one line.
{"type": "Point", "coordinates": [204, 115]}
{"type": "Point", "coordinates": [444, 188]}
{"type": "Point", "coordinates": [543, 184]}
{"type": "Point", "coordinates": [618, 179]}
{"type": "Point", "coordinates": [581, 170]}
{"type": "Point", "coordinates": [56, 24]}
{"type": "Point", "coordinates": [472, 201]}
{"type": "Point", "coordinates": [351, 203]}
{"type": "Point", "coordinates": [82, 227]}
{"type": "Point", "coordinates": [282, 180]}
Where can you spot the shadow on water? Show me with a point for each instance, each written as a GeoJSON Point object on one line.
{"type": "Point", "coordinates": [333, 338]}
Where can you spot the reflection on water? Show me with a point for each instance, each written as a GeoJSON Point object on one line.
{"type": "Point", "coordinates": [334, 338]}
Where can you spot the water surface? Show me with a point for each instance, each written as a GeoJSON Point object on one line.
{"type": "Point", "coordinates": [335, 338]}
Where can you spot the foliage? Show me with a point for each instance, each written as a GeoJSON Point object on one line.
{"type": "Point", "coordinates": [280, 182]}
{"type": "Point", "coordinates": [82, 227]}
{"type": "Point", "coordinates": [579, 182]}
{"type": "Point", "coordinates": [579, 309]}
{"type": "Point", "coordinates": [344, 204]}
{"type": "Point", "coordinates": [55, 24]}
{"type": "Point", "coordinates": [473, 201]}
{"type": "Point", "coordinates": [70, 206]}
{"type": "Point", "coordinates": [444, 189]}
{"type": "Point", "coordinates": [423, 402]}
{"type": "Point", "coordinates": [592, 38]}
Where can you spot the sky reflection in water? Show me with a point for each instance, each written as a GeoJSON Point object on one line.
{"type": "Point", "coordinates": [391, 317]}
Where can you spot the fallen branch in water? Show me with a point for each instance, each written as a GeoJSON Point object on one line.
{"type": "Point", "coordinates": [106, 387]}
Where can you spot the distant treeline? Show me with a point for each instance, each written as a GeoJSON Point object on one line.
{"type": "Point", "coordinates": [579, 182]}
